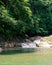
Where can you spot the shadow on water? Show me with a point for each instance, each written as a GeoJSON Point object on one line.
{"type": "Point", "coordinates": [19, 51]}
{"type": "Point", "coordinates": [24, 50]}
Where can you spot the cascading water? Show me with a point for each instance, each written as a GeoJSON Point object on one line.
{"type": "Point", "coordinates": [28, 45]}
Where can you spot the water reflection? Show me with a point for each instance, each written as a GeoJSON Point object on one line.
{"type": "Point", "coordinates": [25, 50]}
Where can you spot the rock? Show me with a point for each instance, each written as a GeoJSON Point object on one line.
{"type": "Point", "coordinates": [37, 41]}
{"type": "Point", "coordinates": [28, 41]}
{"type": "Point", "coordinates": [1, 49]}
{"type": "Point", "coordinates": [50, 35]}
{"type": "Point", "coordinates": [42, 43]}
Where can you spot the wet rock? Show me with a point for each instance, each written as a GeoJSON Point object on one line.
{"type": "Point", "coordinates": [28, 45]}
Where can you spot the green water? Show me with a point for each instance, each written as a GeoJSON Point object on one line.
{"type": "Point", "coordinates": [32, 58]}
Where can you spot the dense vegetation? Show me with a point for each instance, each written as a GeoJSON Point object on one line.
{"type": "Point", "coordinates": [20, 17]}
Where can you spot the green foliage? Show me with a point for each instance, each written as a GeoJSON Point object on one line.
{"type": "Point", "coordinates": [20, 17]}
{"type": "Point", "coordinates": [42, 16]}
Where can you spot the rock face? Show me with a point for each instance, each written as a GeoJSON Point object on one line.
{"type": "Point", "coordinates": [42, 43]}
{"type": "Point", "coordinates": [38, 42]}
{"type": "Point", "coordinates": [31, 42]}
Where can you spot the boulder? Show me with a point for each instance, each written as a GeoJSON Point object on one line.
{"type": "Point", "coordinates": [42, 43]}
